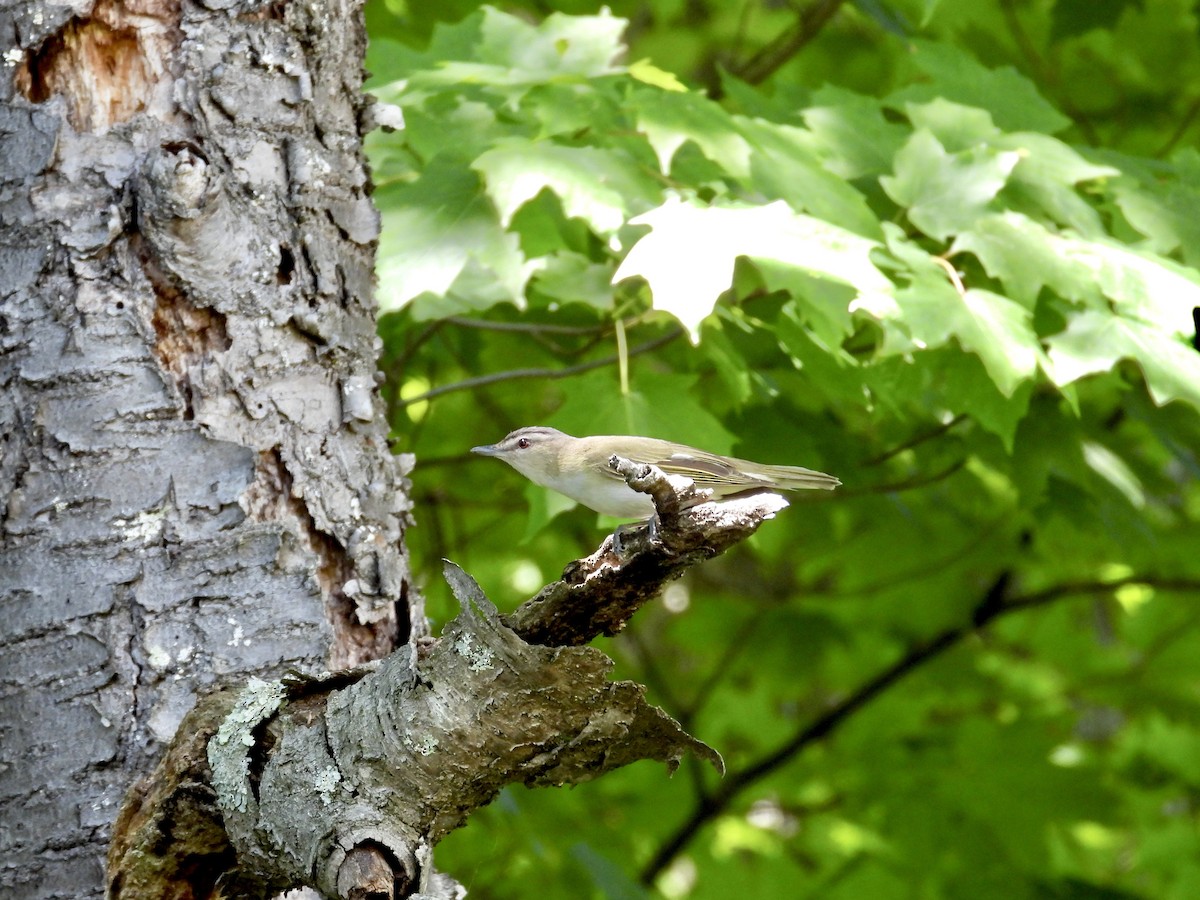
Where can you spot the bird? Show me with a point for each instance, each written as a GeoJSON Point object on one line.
{"type": "Point", "coordinates": [577, 467]}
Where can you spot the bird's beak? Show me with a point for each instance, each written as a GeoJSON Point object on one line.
{"type": "Point", "coordinates": [488, 450]}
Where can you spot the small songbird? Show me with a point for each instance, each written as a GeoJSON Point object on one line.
{"type": "Point", "coordinates": [578, 468]}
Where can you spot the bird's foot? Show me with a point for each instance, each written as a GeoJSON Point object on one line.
{"type": "Point", "coordinates": [630, 528]}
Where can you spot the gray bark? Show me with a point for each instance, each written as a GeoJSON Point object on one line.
{"type": "Point", "coordinates": [194, 481]}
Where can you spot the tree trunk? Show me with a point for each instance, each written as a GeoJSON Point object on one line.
{"type": "Point", "coordinates": [195, 479]}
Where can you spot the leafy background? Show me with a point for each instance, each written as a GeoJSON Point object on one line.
{"type": "Point", "coordinates": [945, 251]}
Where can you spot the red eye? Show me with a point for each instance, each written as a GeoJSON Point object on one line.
{"type": "Point", "coordinates": [523, 443]}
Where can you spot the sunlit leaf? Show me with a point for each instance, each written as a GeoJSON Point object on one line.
{"type": "Point", "coordinates": [850, 134]}
{"type": "Point", "coordinates": [645, 71]}
{"type": "Point", "coordinates": [669, 119]}
{"type": "Point", "coordinates": [441, 229]}
{"type": "Point", "coordinates": [1028, 256]}
{"type": "Point", "coordinates": [688, 256]}
{"type": "Point", "coordinates": [945, 193]}
{"type": "Point", "coordinates": [598, 186]}
{"type": "Point", "coordinates": [1096, 341]}
{"type": "Point", "coordinates": [496, 49]}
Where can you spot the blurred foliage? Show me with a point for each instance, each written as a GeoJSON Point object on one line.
{"type": "Point", "coordinates": [945, 251]}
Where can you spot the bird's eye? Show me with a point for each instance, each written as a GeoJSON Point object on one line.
{"type": "Point", "coordinates": [523, 443]}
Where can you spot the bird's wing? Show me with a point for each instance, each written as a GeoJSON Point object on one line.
{"type": "Point", "coordinates": [709, 471]}
{"type": "Point", "coordinates": [705, 469]}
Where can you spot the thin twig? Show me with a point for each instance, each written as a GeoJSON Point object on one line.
{"type": "Point", "coordinates": [1185, 122]}
{"type": "Point", "coordinates": [1044, 72]}
{"type": "Point", "coordinates": [767, 61]}
{"type": "Point", "coordinates": [515, 374]}
{"type": "Point", "coordinates": [622, 357]}
{"type": "Point", "coordinates": [952, 274]}
{"type": "Point", "coordinates": [891, 487]}
{"type": "Point", "coordinates": [528, 327]}
{"type": "Point", "coordinates": [914, 441]}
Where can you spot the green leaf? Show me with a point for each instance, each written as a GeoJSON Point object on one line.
{"type": "Point", "coordinates": [1025, 256]}
{"type": "Point", "coordinates": [1165, 211]}
{"type": "Point", "coordinates": [648, 73]}
{"type": "Point", "coordinates": [946, 193]}
{"type": "Point", "coordinates": [544, 506]}
{"type": "Point", "coordinates": [1047, 172]}
{"type": "Point", "coordinates": [968, 387]}
{"type": "Point", "coordinates": [598, 186]}
{"type": "Point", "coordinates": [442, 237]}
{"type": "Point", "coordinates": [452, 126]}
{"type": "Point", "coordinates": [568, 277]}
{"type": "Point", "coordinates": [998, 330]}
{"type": "Point", "coordinates": [782, 167]}
{"type": "Point", "coordinates": [825, 305]}
{"type": "Point", "coordinates": [502, 50]}
{"type": "Point", "coordinates": [1097, 341]}
{"type": "Point", "coordinates": [1048, 175]}
{"type": "Point", "coordinates": [1158, 291]}
{"type": "Point", "coordinates": [1075, 17]}
{"type": "Point", "coordinates": [390, 61]}
{"type": "Point", "coordinates": [727, 360]}
{"type": "Point", "coordinates": [569, 109]}
{"type": "Point", "coordinates": [1115, 471]}
{"type": "Point", "coordinates": [1012, 99]}
{"type": "Point", "coordinates": [829, 367]}
{"type": "Point", "coordinates": [957, 127]}
{"type": "Point", "coordinates": [610, 879]}
{"type": "Point", "coordinates": [849, 134]}
{"type": "Point", "coordinates": [670, 119]}
{"type": "Point", "coordinates": [657, 405]}
{"type": "Point", "coordinates": [689, 254]}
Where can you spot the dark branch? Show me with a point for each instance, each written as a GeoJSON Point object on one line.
{"type": "Point", "coordinates": [915, 441]}
{"type": "Point", "coordinates": [891, 487]}
{"type": "Point", "coordinates": [991, 606]}
{"type": "Point", "coordinates": [599, 594]}
{"type": "Point", "coordinates": [528, 327]}
{"type": "Point", "coordinates": [517, 374]}
{"type": "Point", "coordinates": [788, 43]}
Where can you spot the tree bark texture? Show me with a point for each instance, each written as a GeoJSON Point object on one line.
{"type": "Point", "coordinates": [194, 480]}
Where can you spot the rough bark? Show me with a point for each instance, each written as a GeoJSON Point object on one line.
{"type": "Point", "coordinates": [195, 483]}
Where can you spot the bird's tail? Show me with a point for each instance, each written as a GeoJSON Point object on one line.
{"type": "Point", "coordinates": [796, 478]}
